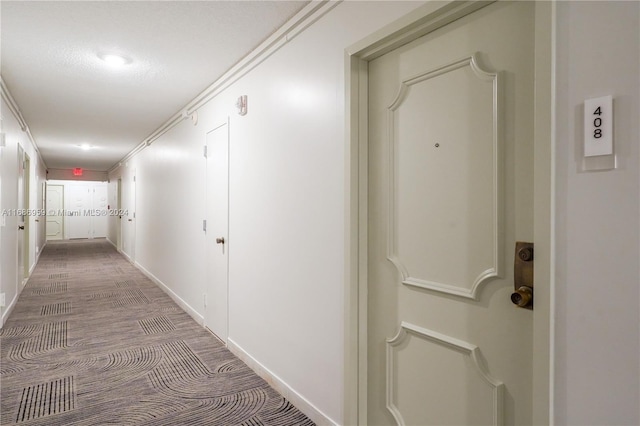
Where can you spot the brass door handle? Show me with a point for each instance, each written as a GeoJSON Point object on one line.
{"type": "Point", "coordinates": [522, 296]}
{"type": "Point", "coordinates": [220, 240]}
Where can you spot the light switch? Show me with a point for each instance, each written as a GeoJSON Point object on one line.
{"type": "Point", "coordinates": [598, 126]}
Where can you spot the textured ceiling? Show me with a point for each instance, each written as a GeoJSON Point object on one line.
{"type": "Point", "coordinates": [68, 96]}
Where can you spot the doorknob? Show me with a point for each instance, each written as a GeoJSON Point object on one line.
{"type": "Point", "coordinates": [220, 240]}
{"type": "Point", "coordinates": [522, 296]}
{"type": "Point", "coordinates": [523, 276]}
{"type": "Point", "coordinates": [21, 227]}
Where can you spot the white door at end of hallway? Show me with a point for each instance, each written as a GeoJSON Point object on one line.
{"type": "Point", "coordinates": [79, 202]}
{"type": "Point", "coordinates": [55, 214]}
{"type": "Point", "coordinates": [450, 180]}
{"type": "Point", "coordinates": [217, 228]}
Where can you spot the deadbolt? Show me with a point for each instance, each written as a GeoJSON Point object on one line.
{"type": "Point", "coordinates": [523, 275]}
{"type": "Point", "coordinates": [526, 254]}
{"type": "Point", "coordinates": [220, 240]}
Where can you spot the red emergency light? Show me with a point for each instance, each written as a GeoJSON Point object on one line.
{"type": "Point", "coordinates": [77, 171]}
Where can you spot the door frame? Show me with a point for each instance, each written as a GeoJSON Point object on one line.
{"type": "Point", "coordinates": [26, 246]}
{"type": "Point", "coordinates": [21, 221]}
{"type": "Point", "coordinates": [419, 22]}
{"type": "Point", "coordinates": [119, 216]}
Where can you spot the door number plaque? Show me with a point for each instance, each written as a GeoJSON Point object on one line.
{"type": "Point", "coordinates": [598, 126]}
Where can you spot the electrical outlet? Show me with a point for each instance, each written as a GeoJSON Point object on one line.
{"type": "Point", "coordinates": [2, 301]}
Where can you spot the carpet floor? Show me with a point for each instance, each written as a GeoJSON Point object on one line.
{"type": "Point", "coordinates": [93, 341]}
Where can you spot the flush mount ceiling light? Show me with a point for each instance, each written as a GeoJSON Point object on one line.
{"type": "Point", "coordinates": [114, 59]}
{"type": "Point", "coordinates": [85, 147]}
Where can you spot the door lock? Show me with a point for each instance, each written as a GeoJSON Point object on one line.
{"type": "Point", "coordinates": [523, 276]}
{"type": "Point", "coordinates": [220, 240]}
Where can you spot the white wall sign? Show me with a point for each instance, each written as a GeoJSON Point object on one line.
{"type": "Point", "coordinates": [598, 126]}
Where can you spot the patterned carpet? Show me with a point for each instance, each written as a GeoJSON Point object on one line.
{"type": "Point", "coordinates": [92, 341]}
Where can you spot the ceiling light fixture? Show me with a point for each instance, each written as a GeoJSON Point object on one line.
{"type": "Point", "coordinates": [85, 147]}
{"type": "Point", "coordinates": [114, 59]}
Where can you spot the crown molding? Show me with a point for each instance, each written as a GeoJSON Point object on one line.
{"type": "Point", "coordinates": [296, 25]}
{"type": "Point", "coordinates": [15, 110]}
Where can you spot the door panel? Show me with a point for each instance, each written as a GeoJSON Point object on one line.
{"type": "Point", "coordinates": [55, 206]}
{"type": "Point", "coordinates": [450, 191]}
{"type": "Point", "coordinates": [216, 315]}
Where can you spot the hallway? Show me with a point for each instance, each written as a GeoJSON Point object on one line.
{"type": "Point", "coordinates": [93, 341]}
{"type": "Point", "coordinates": [338, 191]}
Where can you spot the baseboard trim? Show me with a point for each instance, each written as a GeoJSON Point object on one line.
{"type": "Point", "coordinates": [126, 256]}
{"type": "Point", "coordinates": [301, 403]}
{"type": "Point", "coordinates": [40, 252]}
{"type": "Point", "coordinates": [112, 243]}
{"type": "Point", "coordinates": [8, 310]}
{"type": "Point", "coordinates": [184, 305]}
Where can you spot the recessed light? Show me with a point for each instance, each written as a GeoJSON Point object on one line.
{"type": "Point", "coordinates": [85, 147]}
{"type": "Point", "coordinates": [114, 59]}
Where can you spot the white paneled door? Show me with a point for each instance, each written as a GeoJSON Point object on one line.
{"type": "Point", "coordinates": [450, 192]}
{"type": "Point", "coordinates": [217, 228]}
{"type": "Point", "coordinates": [79, 201]}
{"type": "Point", "coordinates": [129, 220]}
{"type": "Point", "coordinates": [55, 212]}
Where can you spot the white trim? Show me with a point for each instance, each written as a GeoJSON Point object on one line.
{"type": "Point", "coordinates": [303, 19]}
{"type": "Point", "coordinates": [112, 243]}
{"type": "Point", "coordinates": [299, 401]}
{"type": "Point", "coordinates": [41, 249]}
{"type": "Point", "coordinates": [9, 309]}
{"type": "Point", "coordinates": [428, 18]}
{"type": "Point", "coordinates": [181, 302]}
{"type": "Point", "coordinates": [544, 213]}
{"type": "Point", "coordinates": [15, 110]}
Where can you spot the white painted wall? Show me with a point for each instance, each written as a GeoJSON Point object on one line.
{"type": "Point", "coordinates": [598, 214]}
{"type": "Point", "coordinates": [9, 200]}
{"type": "Point", "coordinates": [286, 272]}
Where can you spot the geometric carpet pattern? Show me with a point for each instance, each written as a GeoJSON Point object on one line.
{"type": "Point", "coordinates": [93, 341]}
